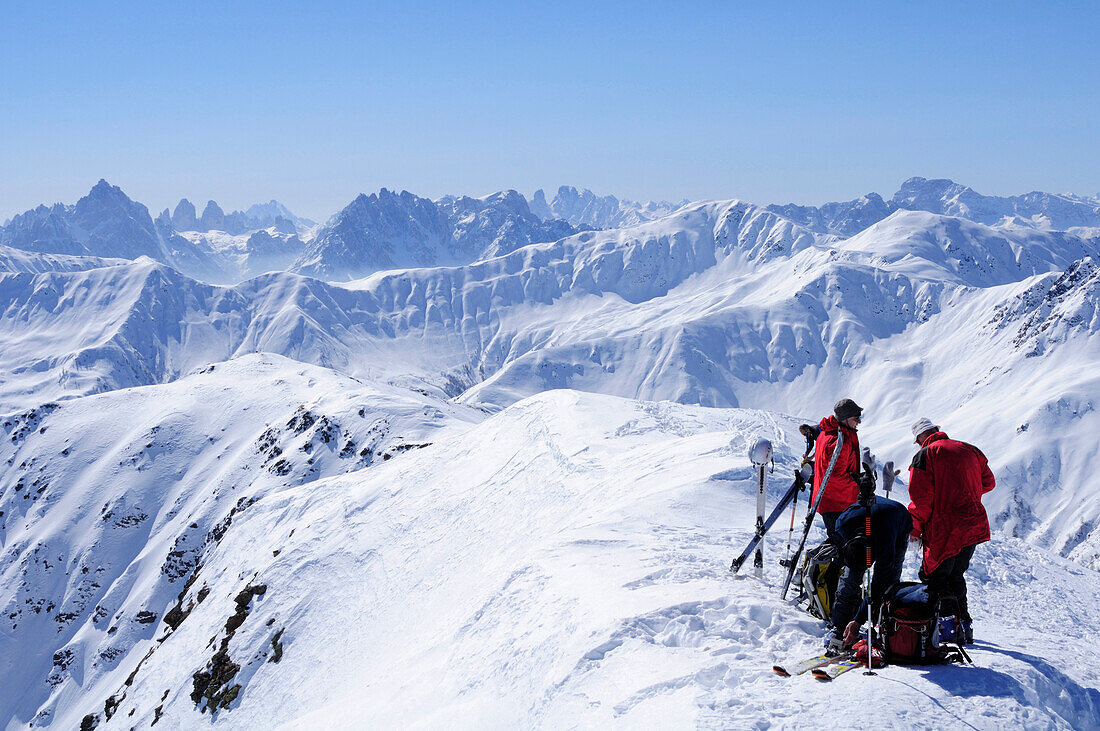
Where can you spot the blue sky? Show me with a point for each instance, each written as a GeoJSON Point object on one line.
{"type": "Point", "coordinates": [314, 103]}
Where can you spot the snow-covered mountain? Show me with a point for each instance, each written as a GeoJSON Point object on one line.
{"type": "Point", "coordinates": [391, 230]}
{"type": "Point", "coordinates": [558, 555]}
{"type": "Point", "coordinates": [1039, 210]}
{"type": "Point", "coordinates": [272, 214]}
{"type": "Point", "coordinates": [841, 219]}
{"type": "Point", "coordinates": [107, 224]}
{"type": "Point", "coordinates": [249, 254]}
{"type": "Point", "coordinates": [1042, 210]}
{"type": "Point", "coordinates": [268, 214]}
{"type": "Point", "coordinates": [498, 224]}
{"type": "Point", "coordinates": [584, 209]}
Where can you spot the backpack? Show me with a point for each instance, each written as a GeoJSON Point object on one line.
{"type": "Point", "coordinates": [909, 622]}
{"type": "Point", "coordinates": [818, 579]}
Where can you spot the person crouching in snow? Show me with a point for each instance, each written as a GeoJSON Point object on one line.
{"type": "Point", "coordinates": [890, 529]}
{"type": "Point", "coordinates": [842, 489]}
{"type": "Point", "coordinates": [947, 479]}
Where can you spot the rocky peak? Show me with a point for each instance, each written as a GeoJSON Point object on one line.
{"type": "Point", "coordinates": [213, 217]}
{"type": "Point", "coordinates": [184, 217]}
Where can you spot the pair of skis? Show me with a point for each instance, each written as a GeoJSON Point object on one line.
{"type": "Point", "coordinates": [796, 487]}
{"type": "Point", "coordinates": [821, 667]}
{"type": "Point", "coordinates": [759, 455]}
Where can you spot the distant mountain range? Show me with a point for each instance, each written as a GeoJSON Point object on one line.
{"type": "Point", "coordinates": [390, 230]}
{"type": "Point", "coordinates": [584, 209]}
{"type": "Point", "coordinates": [272, 214]}
{"type": "Point", "coordinates": [1039, 210]}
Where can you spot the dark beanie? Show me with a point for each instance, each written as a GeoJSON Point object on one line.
{"type": "Point", "coordinates": [846, 409]}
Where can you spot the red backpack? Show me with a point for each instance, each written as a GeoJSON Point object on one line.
{"type": "Point", "coordinates": [909, 623]}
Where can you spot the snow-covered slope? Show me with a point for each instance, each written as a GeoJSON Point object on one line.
{"type": "Point", "coordinates": [18, 260]}
{"type": "Point", "coordinates": [65, 334]}
{"type": "Point", "coordinates": [110, 504]}
{"type": "Point", "coordinates": [561, 564]}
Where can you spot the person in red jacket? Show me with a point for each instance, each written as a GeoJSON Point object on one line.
{"type": "Point", "coordinates": [842, 489]}
{"type": "Point", "coordinates": [947, 479]}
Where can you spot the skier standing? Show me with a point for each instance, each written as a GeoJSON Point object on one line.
{"type": "Point", "coordinates": [947, 479]}
{"type": "Point", "coordinates": [842, 490]}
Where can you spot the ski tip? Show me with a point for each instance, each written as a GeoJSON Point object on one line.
{"type": "Point", "coordinates": [822, 676]}
{"type": "Point", "coordinates": [780, 671]}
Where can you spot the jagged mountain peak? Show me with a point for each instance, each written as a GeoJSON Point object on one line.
{"type": "Point", "coordinates": [388, 230]}
{"type": "Point", "coordinates": [583, 208]}
{"type": "Point", "coordinates": [103, 193]}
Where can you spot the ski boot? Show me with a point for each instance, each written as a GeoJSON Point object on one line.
{"type": "Point", "coordinates": [833, 642]}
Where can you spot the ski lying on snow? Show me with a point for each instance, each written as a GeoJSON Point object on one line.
{"type": "Point", "coordinates": [810, 663]}
{"type": "Point", "coordinates": [837, 668]}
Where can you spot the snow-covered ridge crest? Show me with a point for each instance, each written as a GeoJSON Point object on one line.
{"type": "Point", "coordinates": [585, 209]}
{"type": "Point", "coordinates": [1036, 210]}
{"type": "Point", "coordinates": [18, 260]}
{"type": "Point", "coordinates": [952, 249]}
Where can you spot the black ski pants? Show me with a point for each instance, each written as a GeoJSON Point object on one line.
{"type": "Point", "coordinates": [886, 573]}
{"type": "Point", "coordinates": [949, 579]}
{"type": "Point", "coordinates": [829, 519]}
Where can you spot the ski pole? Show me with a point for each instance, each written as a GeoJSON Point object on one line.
{"type": "Point", "coordinates": [867, 500]}
{"type": "Point", "coordinates": [870, 603]}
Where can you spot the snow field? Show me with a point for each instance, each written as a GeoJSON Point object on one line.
{"type": "Point", "coordinates": [564, 563]}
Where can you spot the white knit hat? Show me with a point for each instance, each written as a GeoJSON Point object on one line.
{"type": "Point", "coordinates": [922, 425]}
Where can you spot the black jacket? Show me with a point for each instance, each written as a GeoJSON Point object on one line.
{"type": "Point", "coordinates": [891, 524]}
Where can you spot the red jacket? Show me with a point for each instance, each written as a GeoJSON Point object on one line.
{"type": "Point", "coordinates": [842, 489]}
{"type": "Point", "coordinates": [946, 482]}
